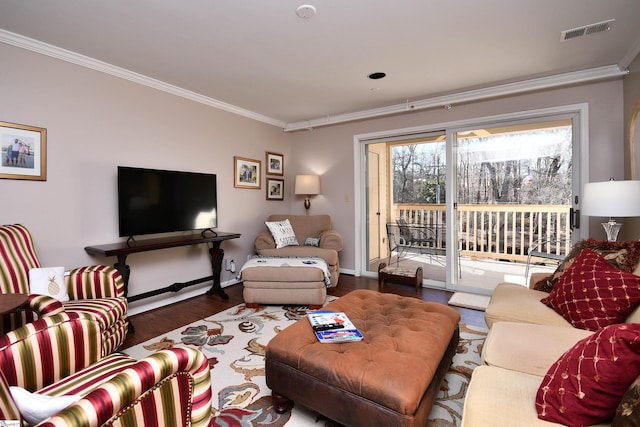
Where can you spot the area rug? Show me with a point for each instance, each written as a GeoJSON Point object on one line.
{"type": "Point", "coordinates": [473, 301]}
{"type": "Point", "coordinates": [234, 341]}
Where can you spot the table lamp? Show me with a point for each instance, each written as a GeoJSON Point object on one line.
{"type": "Point", "coordinates": [309, 185]}
{"type": "Point", "coordinates": [613, 199]}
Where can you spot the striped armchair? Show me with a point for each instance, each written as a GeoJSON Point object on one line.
{"type": "Point", "coordinates": [96, 290]}
{"type": "Point", "coordinates": [60, 355]}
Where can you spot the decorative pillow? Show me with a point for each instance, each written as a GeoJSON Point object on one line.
{"type": "Point", "coordinates": [312, 241]}
{"type": "Point", "coordinates": [591, 294]}
{"type": "Point", "coordinates": [623, 255]}
{"type": "Point", "coordinates": [628, 411]}
{"type": "Point", "coordinates": [36, 408]}
{"type": "Point", "coordinates": [48, 281]}
{"type": "Point", "coordinates": [585, 385]}
{"type": "Point", "coordinates": [282, 233]}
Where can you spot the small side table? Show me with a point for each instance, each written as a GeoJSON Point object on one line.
{"type": "Point", "coordinates": [405, 276]}
{"type": "Point", "coordinates": [12, 302]}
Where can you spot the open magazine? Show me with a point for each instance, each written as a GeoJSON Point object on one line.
{"type": "Point", "coordinates": [333, 327]}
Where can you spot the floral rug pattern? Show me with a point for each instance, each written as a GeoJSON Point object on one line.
{"type": "Point", "coordinates": [234, 342]}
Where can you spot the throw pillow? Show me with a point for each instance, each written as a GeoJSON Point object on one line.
{"type": "Point", "coordinates": [628, 411]}
{"type": "Point", "coordinates": [591, 294]}
{"type": "Point", "coordinates": [624, 255]}
{"type": "Point", "coordinates": [312, 241]}
{"type": "Point", "coordinates": [282, 233]}
{"type": "Point", "coordinates": [36, 408]}
{"type": "Point", "coordinates": [48, 281]}
{"type": "Point", "coordinates": [585, 385]}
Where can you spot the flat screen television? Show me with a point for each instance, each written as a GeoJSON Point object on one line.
{"type": "Point", "coordinates": [154, 201]}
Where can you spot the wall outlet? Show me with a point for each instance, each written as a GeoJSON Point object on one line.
{"type": "Point", "coordinates": [227, 265]}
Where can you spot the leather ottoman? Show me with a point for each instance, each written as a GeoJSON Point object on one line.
{"type": "Point", "coordinates": [390, 378]}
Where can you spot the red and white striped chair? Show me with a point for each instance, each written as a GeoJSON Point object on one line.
{"type": "Point", "coordinates": [60, 355]}
{"type": "Point", "coordinates": [96, 290]}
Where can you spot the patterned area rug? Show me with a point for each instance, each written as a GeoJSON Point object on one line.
{"type": "Point", "coordinates": [234, 342]}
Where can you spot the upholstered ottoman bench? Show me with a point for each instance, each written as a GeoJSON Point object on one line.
{"type": "Point", "coordinates": [275, 280]}
{"type": "Point", "coordinates": [390, 378]}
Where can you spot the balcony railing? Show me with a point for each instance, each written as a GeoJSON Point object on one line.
{"type": "Point", "coordinates": [497, 231]}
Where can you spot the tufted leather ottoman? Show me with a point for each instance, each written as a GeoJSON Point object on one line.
{"type": "Point", "coordinates": [390, 378]}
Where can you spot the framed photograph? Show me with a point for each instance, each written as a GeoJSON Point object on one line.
{"type": "Point", "coordinates": [275, 189]}
{"type": "Point", "coordinates": [246, 173]}
{"type": "Point", "coordinates": [23, 150]}
{"type": "Point", "coordinates": [275, 164]}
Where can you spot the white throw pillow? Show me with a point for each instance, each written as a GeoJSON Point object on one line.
{"type": "Point", "coordinates": [36, 408]}
{"type": "Point", "coordinates": [282, 233]}
{"type": "Point", "coordinates": [48, 281]}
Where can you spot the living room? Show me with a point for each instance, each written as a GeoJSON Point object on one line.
{"type": "Point", "coordinates": [97, 121]}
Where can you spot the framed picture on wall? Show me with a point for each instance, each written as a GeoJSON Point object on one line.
{"type": "Point", "coordinates": [275, 189]}
{"type": "Point", "coordinates": [246, 173]}
{"type": "Point", "coordinates": [275, 164]}
{"type": "Point", "coordinates": [23, 150]}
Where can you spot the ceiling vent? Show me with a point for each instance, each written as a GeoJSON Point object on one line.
{"type": "Point", "coordinates": [586, 30]}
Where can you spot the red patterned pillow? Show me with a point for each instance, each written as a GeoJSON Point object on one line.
{"type": "Point", "coordinates": [586, 384]}
{"type": "Point", "coordinates": [592, 294]}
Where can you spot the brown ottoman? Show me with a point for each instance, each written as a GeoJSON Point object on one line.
{"type": "Point", "coordinates": [390, 378]}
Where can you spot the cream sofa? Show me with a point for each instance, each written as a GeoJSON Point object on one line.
{"type": "Point", "coordinates": [525, 338]}
{"type": "Point", "coordinates": [305, 226]}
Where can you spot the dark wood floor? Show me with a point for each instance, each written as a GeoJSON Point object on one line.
{"type": "Point", "coordinates": [161, 320]}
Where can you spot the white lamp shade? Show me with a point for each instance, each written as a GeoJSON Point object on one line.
{"type": "Point", "coordinates": [611, 198]}
{"type": "Point", "coordinates": [307, 184]}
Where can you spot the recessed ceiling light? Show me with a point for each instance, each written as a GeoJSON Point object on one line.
{"type": "Point", "coordinates": [376, 76]}
{"type": "Point", "coordinates": [306, 11]}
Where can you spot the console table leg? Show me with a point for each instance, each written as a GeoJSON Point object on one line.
{"type": "Point", "coordinates": [216, 254]}
{"type": "Point", "coordinates": [125, 272]}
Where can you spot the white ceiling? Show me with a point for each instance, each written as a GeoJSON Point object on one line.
{"type": "Point", "coordinates": [259, 59]}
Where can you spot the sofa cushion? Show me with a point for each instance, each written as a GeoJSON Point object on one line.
{"type": "Point", "coordinates": [592, 294]}
{"type": "Point", "coordinates": [505, 347]}
{"type": "Point", "coordinates": [282, 233]}
{"type": "Point", "coordinates": [586, 383]}
{"type": "Point", "coordinates": [515, 303]}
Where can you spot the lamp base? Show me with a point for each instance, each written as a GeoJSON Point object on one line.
{"type": "Point", "coordinates": [612, 228]}
{"type": "Point", "coordinates": [307, 203]}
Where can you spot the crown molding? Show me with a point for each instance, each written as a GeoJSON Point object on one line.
{"type": "Point", "coordinates": [103, 67]}
{"type": "Point", "coordinates": [593, 74]}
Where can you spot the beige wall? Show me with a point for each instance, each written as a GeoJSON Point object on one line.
{"type": "Point", "coordinates": [96, 122]}
{"type": "Point", "coordinates": [330, 150]}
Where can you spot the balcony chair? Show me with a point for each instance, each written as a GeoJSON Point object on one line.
{"type": "Point", "coordinates": [95, 290]}
{"type": "Point", "coordinates": [58, 358]}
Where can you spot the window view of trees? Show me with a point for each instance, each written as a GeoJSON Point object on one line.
{"type": "Point", "coordinates": [527, 167]}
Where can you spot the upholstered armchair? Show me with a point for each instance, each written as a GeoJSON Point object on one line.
{"type": "Point", "coordinates": [325, 242]}
{"type": "Point", "coordinates": [95, 290]}
{"type": "Point", "coordinates": [60, 356]}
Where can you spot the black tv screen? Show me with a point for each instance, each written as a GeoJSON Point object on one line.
{"type": "Point", "coordinates": [158, 201]}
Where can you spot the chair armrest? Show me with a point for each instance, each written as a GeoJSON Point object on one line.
{"type": "Point", "coordinates": [45, 351]}
{"type": "Point", "coordinates": [159, 381]}
{"type": "Point", "coordinates": [331, 239]}
{"type": "Point", "coordinates": [264, 240]}
{"type": "Point", "coordinates": [44, 305]}
{"type": "Point", "coordinates": [94, 282]}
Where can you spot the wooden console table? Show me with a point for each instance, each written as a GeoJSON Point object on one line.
{"type": "Point", "coordinates": [122, 249]}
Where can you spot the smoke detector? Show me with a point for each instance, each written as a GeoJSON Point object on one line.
{"type": "Point", "coordinates": [306, 11]}
{"type": "Point", "coordinates": [587, 30]}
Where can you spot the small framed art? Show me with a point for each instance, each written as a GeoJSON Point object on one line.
{"type": "Point", "coordinates": [275, 189]}
{"type": "Point", "coordinates": [246, 173]}
{"type": "Point", "coordinates": [275, 164]}
{"type": "Point", "coordinates": [23, 151]}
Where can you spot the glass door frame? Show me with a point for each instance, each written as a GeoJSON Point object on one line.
{"type": "Point", "coordinates": [581, 158]}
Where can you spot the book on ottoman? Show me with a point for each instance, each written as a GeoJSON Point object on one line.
{"type": "Point", "coordinates": [332, 327]}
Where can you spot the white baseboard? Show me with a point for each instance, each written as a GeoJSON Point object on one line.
{"type": "Point", "coordinates": [162, 300]}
